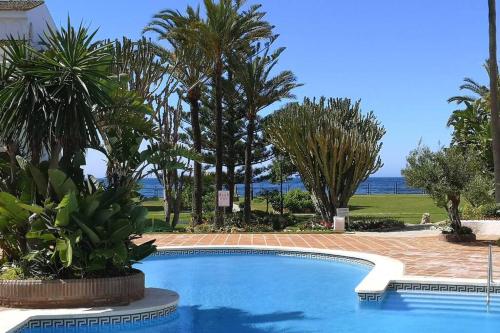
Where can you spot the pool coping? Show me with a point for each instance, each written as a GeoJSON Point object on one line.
{"type": "Point", "coordinates": [156, 303]}
{"type": "Point", "coordinates": [386, 275]}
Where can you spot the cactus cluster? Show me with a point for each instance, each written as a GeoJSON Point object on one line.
{"type": "Point", "coordinates": [333, 145]}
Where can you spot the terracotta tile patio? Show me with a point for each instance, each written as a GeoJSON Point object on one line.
{"type": "Point", "coordinates": [422, 256]}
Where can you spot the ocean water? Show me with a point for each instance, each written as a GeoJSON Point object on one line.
{"type": "Point", "coordinates": [373, 185]}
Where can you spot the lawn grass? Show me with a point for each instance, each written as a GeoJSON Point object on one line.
{"type": "Point", "coordinates": [405, 207]}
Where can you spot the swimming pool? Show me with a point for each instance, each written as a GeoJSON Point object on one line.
{"type": "Point", "coordinates": [250, 293]}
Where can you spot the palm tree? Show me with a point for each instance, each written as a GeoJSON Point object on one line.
{"type": "Point", "coordinates": [227, 30]}
{"type": "Point", "coordinates": [190, 69]}
{"type": "Point", "coordinates": [260, 90]}
{"type": "Point", "coordinates": [493, 70]}
{"type": "Point", "coordinates": [471, 123]}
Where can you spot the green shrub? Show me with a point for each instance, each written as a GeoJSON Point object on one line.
{"type": "Point", "coordinates": [204, 228]}
{"type": "Point", "coordinates": [313, 224]}
{"type": "Point", "coordinates": [76, 233]}
{"type": "Point", "coordinates": [208, 201]}
{"type": "Point", "coordinates": [460, 231]}
{"type": "Point", "coordinates": [11, 273]}
{"type": "Point", "coordinates": [368, 223]}
{"type": "Point", "coordinates": [479, 191]}
{"type": "Point", "coordinates": [486, 211]}
{"type": "Point", "coordinates": [275, 200]}
{"type": "Point", "coordinates": [298, 201]}
{"type": "Point", "coordinates": [260, 222]}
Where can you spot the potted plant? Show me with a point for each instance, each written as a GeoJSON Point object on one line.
{"type": "Point", "coordinates": [75, 249]}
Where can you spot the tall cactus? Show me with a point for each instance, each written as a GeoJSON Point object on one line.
{"type": "Point", "coordinates": [333, 145]}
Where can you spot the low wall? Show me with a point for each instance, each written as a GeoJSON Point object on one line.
{"type": "Point", "coordinates": [45, 294]}
{"type": "Point", "coordinates": [483, 227]}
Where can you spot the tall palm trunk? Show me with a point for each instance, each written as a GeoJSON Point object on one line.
{"type": "Point", "coordinates": [219, 219]}
{"type": "Point", "coordinates": [248, 169]}
{"type": "Point", "coordinates": [230, 182]}
{"type": "Point", "coordinates": [194, 97]}
{"type": "Point", "coordinates": [495, 123]}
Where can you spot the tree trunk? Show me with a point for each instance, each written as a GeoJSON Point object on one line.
{"type": "Point", "coordinates": [177, 211]}
{"type": "Point", "coordinates": [281, 186]}
{"type": "Point", "coordinates": [230, 181]}
{"type": "Point", "coordinates": [495, 123]}
{"type": "Point", "coordinates": [167, 198]}
{"type": "Point", "coordinates": [453, 213]}
{"type": "Point", "coordinates": [194, 96]}
{"type": "Point", "coordinates": [248, 169]}
{"type": "Point", "coordinates": [219, 148]}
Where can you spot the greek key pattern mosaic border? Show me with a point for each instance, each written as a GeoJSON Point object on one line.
{"type": "Point", "coordinates": [439, 287]}
{"type": "Point", "coordinates": [299, 254]}
{"type": "Point", "coordinates": [370, 297]}
{"type": "Point", "coordinates": [98, 321]}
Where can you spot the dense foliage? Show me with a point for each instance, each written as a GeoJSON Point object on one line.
{"type": "Point", "coordinates": [368, 223]}
{"type": "Point", "coordinates": [334, 147]}
{"type": "Point", "coordinates": [298, 201]}
{"type": "Point", "coordinates": [71, 233]}
{"type": "Point", "coordinates": [54, 104]}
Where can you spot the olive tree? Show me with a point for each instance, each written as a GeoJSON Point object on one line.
{"type": "Point", "coordinates": [333, 146]}
{"type": "Point", "coordinates": [444, 175]}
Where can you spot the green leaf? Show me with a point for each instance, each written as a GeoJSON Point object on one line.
{"type": "Point", "coordinates": [11, 208]}
{"type": "Point", "coordinates": [31, 208]}
{"type": "Point", "coordinates": [40, 235]}
{"type": "Point", "coordinates": [120, 254]}
{"type": "Point", "coordinates": [61, 183]}
{"type": "Point", "coordinates": [138, 214]}
{"type": "Point", "coordinates": [139, 252]}
{"type": "Point", "coordinates": [94, 238]}
{"type": "Point", "coordinates": [65, 251]}
{"type": "Point", "coordinates": [121, 234]}
{"type": "Point", "coordinates": [67, 206]}
{"type": "Point", "coordinates": [40, 180]}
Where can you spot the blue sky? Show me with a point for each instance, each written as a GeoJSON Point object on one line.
{"type": "Point", "coordinates": [403, 59]}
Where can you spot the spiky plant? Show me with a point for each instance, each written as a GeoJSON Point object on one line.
{"type": "Point", "coordinates": [333, 145]}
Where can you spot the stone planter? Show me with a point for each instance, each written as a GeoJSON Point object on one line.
{"type": "Point", "coordinates": [46, 294]}
{"type": "Point", "coordinates": [484, 227]}
{"type": "Point", "coordinates": [458, 238]}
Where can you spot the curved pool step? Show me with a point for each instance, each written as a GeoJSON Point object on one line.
{"type": "Point", "coordinates": [440, 302]}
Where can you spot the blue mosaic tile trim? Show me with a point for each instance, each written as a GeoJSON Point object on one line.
{"type": "Point", "coordinates": [99, 321]}
{"type": "Point", "coordinates": [299, 254]}
{"type": "Point", "coordinates": [438, 287]}
{"type": "Point", "coordinates": [370, 297]}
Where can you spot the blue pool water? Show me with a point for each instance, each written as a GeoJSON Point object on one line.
{"type": "Point", "coordinates": [268, 294]}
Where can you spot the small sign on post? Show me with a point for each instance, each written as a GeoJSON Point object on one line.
{"type": "Point", "coordinates": [223, 198]}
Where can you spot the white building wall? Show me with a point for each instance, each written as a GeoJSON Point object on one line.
{"type": "Point", "coordinates": [29, 24]}
{"type": "Point", "coordinates": [39, 17]}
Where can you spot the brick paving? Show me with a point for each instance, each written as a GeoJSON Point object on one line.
{"type": "Point", "coordinates": [422, 256]}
